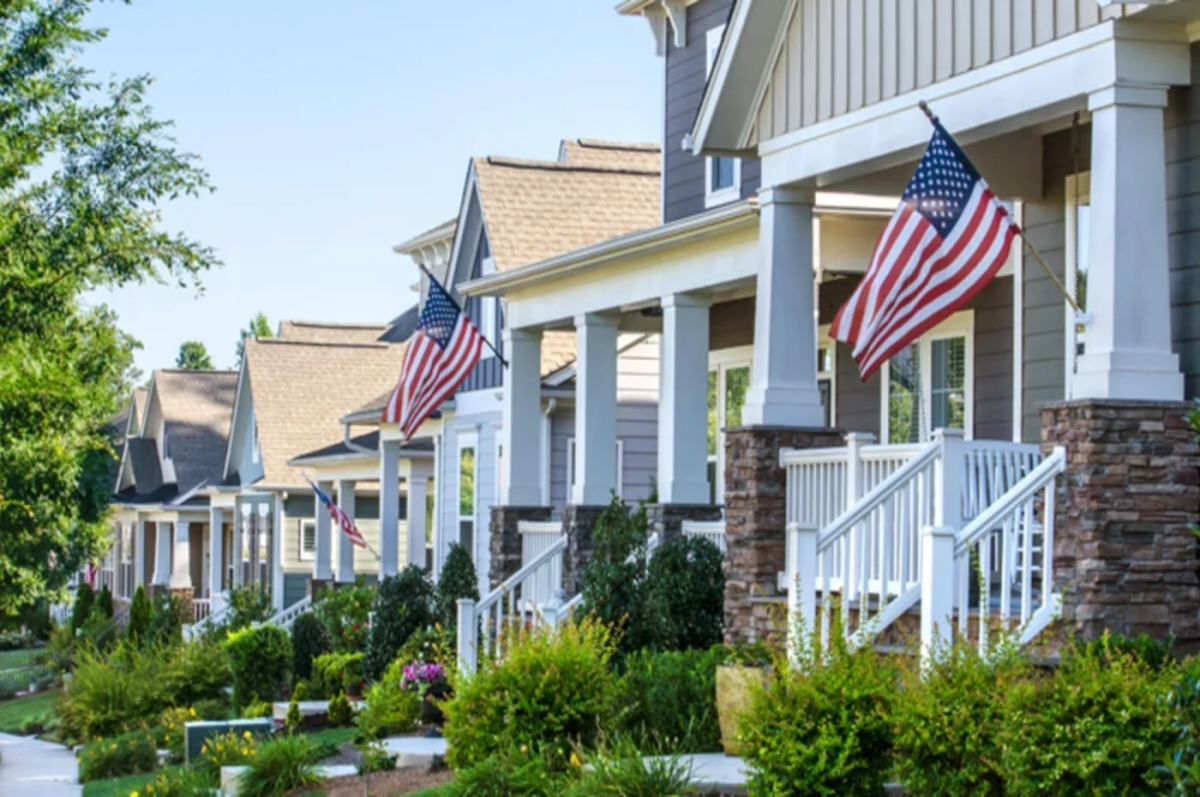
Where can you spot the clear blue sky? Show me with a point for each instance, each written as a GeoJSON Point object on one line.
{"type": "Point", "coordinates": [334, 130]}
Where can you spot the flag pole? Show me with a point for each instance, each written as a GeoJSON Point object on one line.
{"type": "Point", "coordinates": [458, 307]}
{"type": "Point", "coordinates": [1024, 239]}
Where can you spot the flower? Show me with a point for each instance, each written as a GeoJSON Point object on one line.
{"type": "Point", "coordinates": [575, 762]}
{"type": "Point", "coordinates": [246, 734]}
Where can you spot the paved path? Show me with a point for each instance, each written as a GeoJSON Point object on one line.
{"type": "Point", "coordinates": [29, 766]}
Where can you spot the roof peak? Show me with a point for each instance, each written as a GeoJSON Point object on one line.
{"type": "Point", "coordinates": [320, 344]}
{"type": "Point", "coordinates": [599, 143]}
{"type": "Point", "coordinates": [559, 166]}
{"type": "Point", "coordinates": [332, 324]}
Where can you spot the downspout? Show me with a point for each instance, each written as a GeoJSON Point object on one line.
{"type": "Point", "coordinates": [551, 406]}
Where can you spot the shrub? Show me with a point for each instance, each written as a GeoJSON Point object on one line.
{"type": "Point", "coordinates": [613, 580]}
{"type": "Point", "coordinates": [1183, 764]}
{"type": "Point", "coordinates": [1095, 726]}
{"type": "Point", "coordinates": [104, 602]}
{"type": "Point", "coordinates": [376, 759]}
{"type": "Point", "coordinates": [294, 718]}
{"type": "Point", "coordinates": [281, 765]}
{"type": "Point", "coordinates": [1154, 653]}
{"type": "Point", "coordinates": [85, 598]}
{"type": "Point", "coordinates": [686, 581]}
{"type": "Point", "coordinates": [180, 782]}
{"type": "Point", "coordinates": [337, 672]}
{"type": "Point", "coordinates": [389, 708]}
{"type": "Point", "coordinates": [345, 612]}
{"type": "Point", "coordinates": [508, 773]}
{"type": "Point", "coordinates": [192, 673]}
{"type": "Point", "coordinates": [227, 750]}
{"type": "Point", "coordinates": [434, 645]}
{"type": "Point", "coordinates": [404, 604]}
{"type": "Point", "coordinates": [672, 700]}
{"type": "Point", "coordinates": [309, 640]}
{"type": "Point", "coordinates": [458, 579]}
{"type": "Point", "coordinates": [339, 713]}
{"type": "Point", "coordinates": [248, 605]}
{"type": "Point", "coordinates": [260, 657]}
{"type": "Point", "coordinates": [140, 612]}
{"type": "Point", "coordinates": [127, 754]}
{"type": "Point", "coordinates": [553, 689]}
{"type": "Point", "coordinates": [169, 731]}
{"type": "Point", "coordinates": [257, 709]}
{"type": "Point", "coordinates": [211, 709]}
{"type": "Point", "coordinates": [625, 772]}
{"type": "Point", "coordinates": [166, 624]}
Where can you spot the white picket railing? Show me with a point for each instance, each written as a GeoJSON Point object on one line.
{"type": "Point", "coordinates": [201, 608]}
{"type": "Point", "coordinates": [536, 538]}
{"type": "Point", "coordinates": [216, 617]}
{"type": "Point", "coordinates": [711, 530]}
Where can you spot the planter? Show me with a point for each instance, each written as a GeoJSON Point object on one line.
{"type": "Point", "coordinates": [431, 714]}
{"type": "Point", "coordinates": [735, 686]}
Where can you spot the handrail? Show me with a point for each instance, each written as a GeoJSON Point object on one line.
{"type": "Point", "coordinates": [515, 580]}
{"type": "Point", "coordinates": [811, 456]}
{"type": "Point", "coordinates": [1016, 495]}
{"type": "Point", "coordinates": [285, 617]}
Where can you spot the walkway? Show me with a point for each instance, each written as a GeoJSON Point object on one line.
{"type": "Point", "coordinates": [29, 766]}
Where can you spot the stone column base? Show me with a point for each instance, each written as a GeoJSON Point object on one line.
{"type": "Point", "coordinates": [666, 520]}
{"type": "Point", "coordinates": [505, 539]}
{"type": "Point", "coordinates": [1124, 554]}
{"type": "Point", "coordinates": [755, 524]}
{"type": "Point", "coordinates": [578, 523]}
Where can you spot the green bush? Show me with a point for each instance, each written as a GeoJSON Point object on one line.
{"type": "Point", "coordinates": [506, 774]}
{"type": "Point", "coordinates": [686, 581]}
{"type": "Point", "coordinates": [280, 766]}
{"type": "Point", "coordinates": [104, 602]}
{"type": "Point", "coordinates": [166, 624]}
{"type": "Point", "coordinates": [140, 613]}
{"type": "Point", "coordinates": [180, 782]}
{"type": "Point", "coordinates": [1183, 702]}
{"type": "Point", "coordinates": [257, 709]}
{"type": "Point", "coordinates": [310, 639]}
{"type": "Point", "coordinates": [458, 579]}
{"type": "Point", "coordinates": [337, 672]}
{"type": "Point", "coordinates": [625, 772]}
{"type": "Point", "coordinates": [248, 605]}
{"type": "Point", "coordinates": [672, 700]}
{"type": "Point", "coordinates": [404, 604]}
{"type": "Point", "coordinates": [85, 599]}
{"type": "Point", "coordinates": [1154, 653]}
{"type": "Point", "coordinates": [345, 611]}
{"type": "Point", "coordinates": [614, 584]}
{"type": "Point", "coordinates": [389, 709]}
{"type": "Point", "coordinates": [375, 759]}
{"type": "Point", "coordinates": [339, 713]}
{"type": "Point", "coordinates": [1094, 726]}
{"type": "Point", "coordinates": [434, 645]}
{"type": "Point", "coordinates": [260, 657]}
{"type": "Point", "coordinates": [127, 754]}
{"type": "Point", "coordinates": [553, 689]}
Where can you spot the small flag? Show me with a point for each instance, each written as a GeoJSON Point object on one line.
{"type": "Point", "coordinates": [342, 520]}
{"type": "Point", "coordinates": [90, 575]}
{"type": "Point", "coordinates": [947, 239]}
{"type": "Point", "coordinates": [443, 350]}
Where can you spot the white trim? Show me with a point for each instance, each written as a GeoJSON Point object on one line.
{"type": "Point", "coordinates": [464, 440]}
{"type": "Point", "coordinates": [961, 324]}
{"type": "Point", "coordinates": [733, 191]}
{"type": "Point", "coordinates": [1018, 344]}
{"type": "Point", "coordinates": [310, 555]}
{"type": "Point", "coordinates": [720, 361]}
{"type": "Point", "coordinates": [826, 342]}
{"type": "Point", "coordinates": [1082, 183]}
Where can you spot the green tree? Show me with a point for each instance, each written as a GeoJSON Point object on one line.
{"type": "Point", "coordinates": [259, 327]}
{"type": "Point", "coordinates": [193, 357]}
{"type": "Point", "coordinates": [84, 171]}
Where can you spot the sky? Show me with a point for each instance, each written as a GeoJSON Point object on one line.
{"type": "Point", "coordinates": [334, 131]}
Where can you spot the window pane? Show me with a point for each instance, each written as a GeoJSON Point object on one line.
{"type": "Point", "coordinates": [825, 359]}
{"type": "Point", "coordinates": [904, 391]}
{"type": "Point", "coordinates": [712, 413]}
{"type": "Point", "coordinates": [823, 387]}
{"type": "Point", "coordinates": [310, 538]}
{"type": "Point", "coordinates": [737, 381]}
{"type": "Point", "coordinates": [722, 173]}
{"type": "Point", "coordinates": [1082, 232]}
{"type": "Point", "coordinates": [466, 536]}
{"type": "Point", "coordinates": [948, 399]}
{"type": "Point", "coordinates": [466, 482]}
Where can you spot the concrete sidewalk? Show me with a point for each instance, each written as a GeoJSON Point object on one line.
{"type": "Point", "coordinates": [29, 766]}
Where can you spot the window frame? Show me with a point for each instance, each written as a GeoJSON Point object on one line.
{"type": "Point", "coordinates": [960, 324]}
{"type": "Point", "coordinates": [1082, 183]}
{"type": "Point", "coordinates": [721, 360]}
{"type": "Point", "coordinates": [303, 525]}
{"type": "Point", "coordinates": [733, 192]}
{"type": "Point", "coordinates": [466, 440]}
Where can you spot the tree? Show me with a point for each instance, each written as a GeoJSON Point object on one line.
{"type": "Point", "coordinates": [193, 357]}
{"type": "Point", "coordinates": [84, 171]}
{"type": "Point", "coordinates": [259, 327]}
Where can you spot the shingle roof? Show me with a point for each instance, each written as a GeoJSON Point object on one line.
{"type": "Point", "coordinates": [329, 332]}
{"type": "Point", "coordinates": [197, 407]}
{"type": "Point", "coordinates": [536, 209]}
{"type": "Point", "coordinates": [611, 154]}
{"type": "Point", "coordinates": [367, 440]}
{"type": "Point", "coordinates": [402, 326]}
{"type": "Point", "coordinates": [143, 456]}
{"type": "Point", "coordinates": [300, 390]}
{"type": "Point", "coordinates": [558, 351]}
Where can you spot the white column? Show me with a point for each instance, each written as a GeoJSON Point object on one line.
{"type": "Point", "coordinates": [522, 418]}
{"type": "Point", "coordinates": [216, 549]}
{"type": "Point", "coordinates": [683, 401]}
{"type": "Point", "coordinates": [345, 548]}
{"type": "Point", "coordinates": [1128, 342]}
{"type": "Point", "coordinates": [181, 561]}
{"type": "Point", "coordinates": [164, 531]}
{"type": "Point", "coordinates": [595, 409]}
{"type": "Point", "coordinates": [783, 377]}
{"type": "Point", "coordinates": [416, 473]}
{"type": "Point", "coordinates": [389, 507]}
{"type": "Point", "coordinates": [241, 527]}
{"type": "Point", "coordinates": [323, 556]}
{"type": "Point", "coordinates": [139, 553]}
{"type": "Point", "coordinates": [276, 542]}
{"type": "Point", "coordinates": [439, 532]}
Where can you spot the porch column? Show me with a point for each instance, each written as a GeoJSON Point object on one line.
{"type": "Point", "coordinates": [275, 524]}
{"type": "Point", "coordinates": [216, 549]}
{"type": "Point", "coordinates": [683, 401]}
{"type": "Point", "coordinates": [323, 556]}
{"type": "Point", "coordinates": [181, 560]}
{"type": "Point", "coordinates": [783, 378]}
{"type": "Point", "coordinates": [389, 507]}
{"type": "Point", "coordinates": [416, 473]}
{"type": "Point", "coordinates": [522, 418]}
{"type": "Point", "coordinates": [1128, 343]}
{"type": "Point", "coordinates": [595, 410]}
{"type": "Point", "coordinates": [241, 527]}
{"type": "Point", "coordinates": [345, 548]}
{"type": "Point", "coordinates": [162, 552]}
{"type": "Point", "coordinates": [139, 553]}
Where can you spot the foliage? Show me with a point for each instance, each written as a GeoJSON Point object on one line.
{"type": "Point", "coordinates": [554, 688]}
{"type": "Point", "coordinates": [310, 639]}
{"type": "Point", "coordinates": [345, 612]}
{"type": "Point", "coordinates": [389, 708]}
{"type": "Point", "coordinates": [259, 327]}
{"type": "Point", "coordinates": [248, 605]}
{"type": "Point", "coordinates": [339, 712]}
{"type": "Point", "coordinates": [169, 730]}
{"type": "Point", "coordinates": [260, 657]}
{"type": "Point", "coordinates": [193, 357]}
{"type": "Point", "coordinates": [458, 579]}
{"type": "Point", "coordinates": [434, 645]}
{"type": "Point", "coordinates": [1096, 726]}
{"type": "Point", "coordinates": [227, 750]}
{"type": "Point", "coordinates": [672, 700]}
{"type": "Point", "coordinates": [506, 773]}
{"type": "Point", "coordinates": [257, 709]}
{"type": "Point", "coordinates": [127, 754]}
{"type": "Point", "coordinates": [104, 603]}
{"type": "Point", "coordinates": [294, 719]}
{"type": "Point", "coordinates": [1182, 766]}
{"type": "Point", "coordinates": [686, 581]}
{"type": "Point", "coordinates": [337, 672]}
{"type": "Point", "coordinates": [179, 782]}
{"type": "Point", "coordinates": [84, 173]}
{"type": "Point", "coordinates": [166, 624]}
{"type": "Point", "coordinates": [281, 765]}
{"type": "Point", "coordinates": [375, 759]}
{"type": "Point", "coordinates": [85, 599]}
{"type": "Point", "coordinates": [140, 613]}
{"type": "Point", "coordinates": [403, 605]}
{"type": "Point", "coordinates": [614, 585]}
{"type": "Point", "coordinates": [624, 772]}
{"type": "Point", "coordinates": [1154, 653]}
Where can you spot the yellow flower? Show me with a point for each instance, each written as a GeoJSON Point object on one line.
{"type": "Point", "coordinates": [575, 762]}
{"type": "Point", "coordinates": [246, 734]}
{"type": "Point", "coordinates": [166, 738]}
{"type": "Point", "coordinates": [133, 794]}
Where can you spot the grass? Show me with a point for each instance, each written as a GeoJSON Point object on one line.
{"type": "Point", "coordinates": [16, 659]}
{"type": "Point", "coordinates": [122, 787]}
{"type": "Point", "coordinates": [14, 713]}
{"type": "Point", "coordinates": [338, 736]}
{"type": "Point", "coordinates": [436, 791]}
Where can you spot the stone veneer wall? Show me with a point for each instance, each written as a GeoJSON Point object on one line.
{"type": "Point", "coordinates": [755, 522]}
{"type": "Point", "coordinates": [1124, 553]}
{"type": "Point", "coordinates": [505, 539]}
{"type": "Point", "coordinates": [578, 523]}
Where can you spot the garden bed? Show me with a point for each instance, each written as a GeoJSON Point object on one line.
{"type": "Point", "coordinates": [409, 780]}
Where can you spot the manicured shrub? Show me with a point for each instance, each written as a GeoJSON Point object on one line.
{"type": "Point", "coordinates": [1097, 725]}
{"type": "Point", "coordinates": [166, 624]}
{"type": "Point", "coordinates": [552, 690]}
{"type": "Point", "coordinates": [686, 581]}
{"type": "Point", "coordinates": [260, 658]}
{"type": "Point", "coordinates": [345, 612]}
{"type": "Point", "coordinates": [227, 750]}
{"type": "Point", "coordinates": [248, 605]}
{"type": "Point", "coordinates": [339, 713]}
{"type": "Point", "coordinates": [614, 585]}
{"type": "Point", "coordinates": [310, 639]}
{"type": "Point", "coordinates": [389, 708]}
{"type": "Point", "coordinates": [140, 613]}
{"type": "Point", "coordinates": [671, 700]}
{"type": "Point", "coordinates": [337, 672]}
{"type": "Point", "coordinates": [127, 754]}
{"type": "Point", "coordinates": [404, 604]}
{"type": "Point", "coordinates": [85, 599]}
{"type": "Point", "coordinates": [458, 579]}
{"type": "Point", "coordinates": [104, 602]}
{"type": "Point", "coordinates": [280, 766]}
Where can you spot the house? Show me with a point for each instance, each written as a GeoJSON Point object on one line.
{"type": "Point", "coordinates": [791, 127]}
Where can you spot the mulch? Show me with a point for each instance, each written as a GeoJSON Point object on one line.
{"type": "Point", "coordinates": [387, 784]}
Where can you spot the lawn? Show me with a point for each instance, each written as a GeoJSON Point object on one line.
{"type": "Point", "coordinates": [15, 659]}
{"type": "Point", "coordinates": [122, 787]}
{"type": "Point", "coordinates": [14, 713]}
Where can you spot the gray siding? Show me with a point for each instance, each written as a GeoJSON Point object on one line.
{"type": "Point", "coordinates": [485, 484]}
{"type": "Point", "coordinates": [685, 79]}
{"type": "Point", "coordinates": [1183, 224]}
{"type": "Point", "coordinates": [295, 587]}
{"type": "Point", "coordinates": [857, 401]}
{"type": "Point", "coordinates": [562, 429]}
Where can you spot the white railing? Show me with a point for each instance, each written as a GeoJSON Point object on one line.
{"type": "Point", "coordinates": [218, 615]}
{"type": "Point", "coordinates": [286, 617]}
{"type": "Point", "coordinates": [711, 530]}
{"type": "Point", "coordinates": [201, 608]}
{"type": "Point", "coordinates": [536, 538]}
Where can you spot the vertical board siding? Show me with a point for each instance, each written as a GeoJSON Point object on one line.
{"type": "Point", "coordinates": [1183, 225]}
{"type": "Point", "coordinates": [637, 414]}
{"type": "Point", "coordinates": [839, 55]}
{"type": "Point", "coordinates": [562, 429]}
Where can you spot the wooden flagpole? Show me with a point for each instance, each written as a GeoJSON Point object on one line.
{"type": "Point", "coordinates": [495, 351]}
{"type": "Point", "coordinates": [1024, 239]}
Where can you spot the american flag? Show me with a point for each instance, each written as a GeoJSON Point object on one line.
{"type": "Point", "coordinates": [339, 517]}
{"type": "Point", "coordinates": [89, 574]}
{"type": "Point", "coordinates": [443, 350]}
{"type": "Point", "coordinates": [947, 239]}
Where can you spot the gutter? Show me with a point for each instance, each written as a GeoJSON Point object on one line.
{"type": "Point", "coordinates": [350, 444]}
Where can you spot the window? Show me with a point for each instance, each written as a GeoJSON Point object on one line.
{"type": "Point", "coordinates": [571, 470]}
{"type": "Point", "coordinates": [929, 385]}
{"type": "Point", "coordinates": [1078, 229]}
{"type": "Point", "coordinates": [308, 540]}
{"type": "Point", "coordinates": [466, 492]}
{"type": "Point", "coordinates": [723, 176]}
{"type": "Point", "coordinates": [728, 380]}
{"type": "Point", "coordinates": [827, 374]}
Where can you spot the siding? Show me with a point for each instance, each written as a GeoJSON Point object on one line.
{"type": "Point", "coordinates": [841, 55]}
{"type": "Point", "coordinates": [637, 414]}
{"type": "Point", "coordinates": [300, 508]}
{"type": "Point", "coordinates": [295, 588]}
{"type": "Point", "coordinates": [488, 372]}
{"type": "Point", "coordinates": [731, 324]}
{"type": "Point", "coordinates": [683, 180]}
{"type": "Point", "coordinates": [1183, 225]}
